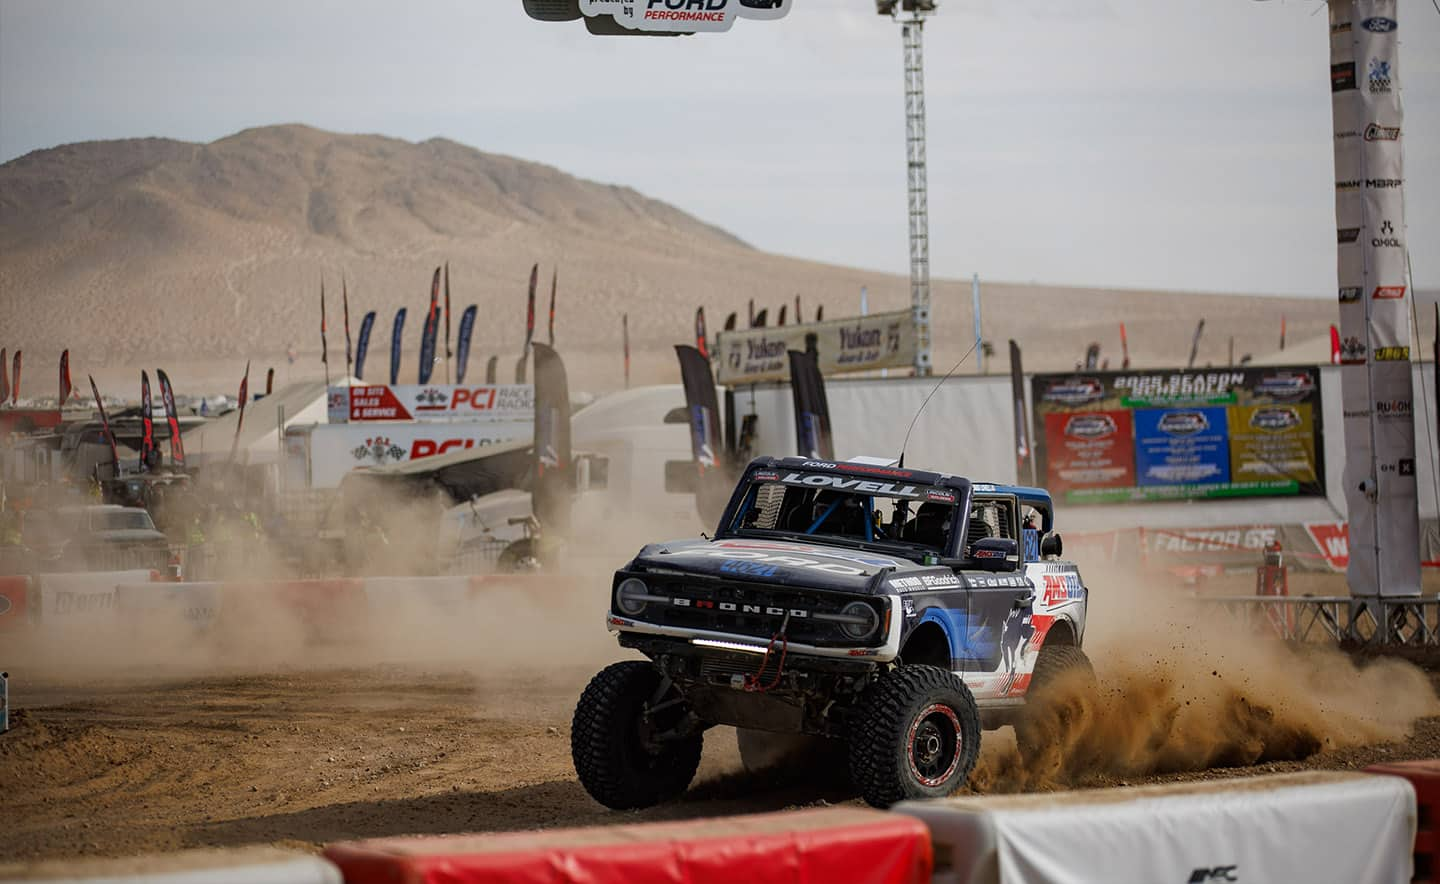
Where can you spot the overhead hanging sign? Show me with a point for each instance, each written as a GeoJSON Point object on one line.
{"type": "Point", "coordinates": [683, 16]}
{"type": "Point", "coordinates": [861, 343]}
{"type": "Point", "coordinates": [431, 402]}
{"type": "Point", "coordinates": [1376, 383]}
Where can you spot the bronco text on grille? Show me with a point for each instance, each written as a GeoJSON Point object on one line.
{"type": "Point", "coordinates": [754, 610]}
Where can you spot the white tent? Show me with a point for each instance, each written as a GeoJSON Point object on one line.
{"type": "Point", "coordinates": [260, 439]}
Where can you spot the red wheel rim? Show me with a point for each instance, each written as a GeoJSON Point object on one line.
{"type": "Point", "coordinates": [933, 745]}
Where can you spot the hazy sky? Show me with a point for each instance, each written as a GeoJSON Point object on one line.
{"type": "Point", "coordinates": [1136, 143]}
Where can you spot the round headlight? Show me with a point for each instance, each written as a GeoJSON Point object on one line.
{"type": "Point", "coordinates": [630, 596]}
{"type": "Point", "coordinates": [861, 621]}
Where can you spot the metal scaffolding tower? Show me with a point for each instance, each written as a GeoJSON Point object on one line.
{"type": "Point", "coordinates": [912, 31]}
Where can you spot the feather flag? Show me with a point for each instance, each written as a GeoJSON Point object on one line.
{"type": "Point", "coordinates": [324, 349]}
{"type": "Point", "coordinates": [1334, 345]}
{"type": "Point", "coordinates": [65, 385]}
{"type": "Point", "coordinates": [448, 352]}
{"type": "Point", "coordinates": [1124, 349]}
{"type": "Point", "coordinates": [820, 313]}
{"type": "Point", "coordinates": [554, 279]}
{"type": "Point", "coordinates": [762, 317]}
{"type": "Point", "coordinates": [4, 378]}
{"type": "Point", "coordinates": [1195, 343]}
{"type": "Point", "coordinates": [105, 425]}
{"type": "Point", "coordinates": [269, 381]}
{"type": "Point", "coordinates": [700, 335]}
{"type": "Point", "coordinates": [362, 348]}
{"type": "Point", "coordinates": [751, 320]}
{"type": "Point", "coordinates": [625, 342]}
{"type": "Point", "coordinates": [240, 422]}
{"type": "Point", "coordinates": [730, 322]}
{"type": "Point", "coordinates": [345, 306]}
{"type": "Point", "coordinates": [462, 346]}
{"type": "Point", "coordinates": [167, 395]}
{"type": "Point", "coordinates": [529, 325]}
{"type": "Point", "coordinates": [397, 344]}
{"type": "Point", "coordinates": [147, 424]}
{"type": "Point", "coordinates": [1282, 331]}
{"type": "Point", "coordinates": [15, 379]}
{"type": "Point", "coordinates": [799, 317]}
{"type": "Point", "coordinates": [780, 320]}
{"type": "Point", "coordinates": [492, 366]}
{"type": "Point", "coordinates": [431, 331]}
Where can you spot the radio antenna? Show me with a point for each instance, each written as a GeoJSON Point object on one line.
{"type": "Point", "coordinates": [921, 410]}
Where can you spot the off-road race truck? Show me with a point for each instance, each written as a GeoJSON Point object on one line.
{"type": "Point", "coordinates": [890, 613]}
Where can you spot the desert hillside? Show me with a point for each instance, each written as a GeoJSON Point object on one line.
{"type": "Point", "coordinates": [200, 256]}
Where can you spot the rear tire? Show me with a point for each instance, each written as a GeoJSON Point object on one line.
{"type": "Point", "coordinates": [616, 743]}
{"type": "Point", "coordinates": [1057, 665]}
{"type": "Point", "coordinates": [916, 735]}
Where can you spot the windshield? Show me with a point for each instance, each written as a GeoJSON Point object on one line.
{"type": "Point", "coordinates": [123, 520]}
{"type": "Point", "coordinates": [825, 505]}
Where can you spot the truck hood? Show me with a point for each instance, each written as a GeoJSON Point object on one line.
{"type": "Point", "coordinates": [130, 536]}
{"type": "Point", "coordinates": [780, 562]}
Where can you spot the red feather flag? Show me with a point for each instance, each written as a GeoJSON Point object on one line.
{"type": "Point", "coordinates": [65, 385]}
{"type": "Point", "coordinates": [240, 422]}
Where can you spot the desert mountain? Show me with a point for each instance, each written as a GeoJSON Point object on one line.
{"type": "Point", "coordinates": [200, 256]}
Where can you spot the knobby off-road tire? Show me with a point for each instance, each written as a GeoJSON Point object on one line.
{"type": "Point", "coordinates": [1056, 662]}
{"type": "Point", "coordinates": [916, 735]}
{"type": "Point", "coordinates": [611, 743]}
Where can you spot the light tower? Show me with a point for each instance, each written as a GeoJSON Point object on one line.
{"type": "Point", "coordinates": [911, 15]}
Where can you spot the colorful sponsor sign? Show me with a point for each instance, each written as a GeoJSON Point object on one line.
{"type": "Point", "coordinates": [862, 343]}
{"type": "Point", "coordinates": [1176, 435]}
{"type": "Point", "coordinates": [332, 450]}
{"type": "Point", "coordinates": [431, 402]}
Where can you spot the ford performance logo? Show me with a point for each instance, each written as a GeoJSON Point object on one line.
{"type": "Point", "coordinates": [1183, 423]}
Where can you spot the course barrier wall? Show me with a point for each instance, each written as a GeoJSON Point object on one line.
{"type": "Point", "coordinates": [832, 844]}
{"type": "Point", "coordinates": [1314, 827]}
{"type": "Point", "coordinates": [1424, 778]}
{"type": "Point", "coordinates": [82, 599]}
{"type": "Point", "coordinates": [14, 603]}
{"type": "Point", "coordinates": [246, 865]}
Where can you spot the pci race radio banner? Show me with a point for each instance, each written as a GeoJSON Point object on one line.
{"type": "Point", "coordinates": [1118, 437]}
{"type": "Point", "coordinates": [509, 402]}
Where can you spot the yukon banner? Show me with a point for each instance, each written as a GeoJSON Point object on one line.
{"type": "Point", "coordinates": [429, 403]}
{"type": "Point", "coordinates": [396, 344]}
{"type": "Point", "coordinates": [552, 491]}
{"type": "Point", "coordinates": [812, 411]}
{"type": "Point", "coordinates": [713, 484]}
{"type": "Point", "coordinates": [1376, 385]}
{"type": "Point", "coordinates": [147, 424]}
{"type": "Point", "coordinates": [862, 343]}
{"type": "Point", "coordinates": [1118, 437]}
{"type": "Point", "coordinates": [462, 346]}
{"type": "Point", "coordinates": [167, 395]}
{"type": "Point", "coordinates": [362, 347]}
{"type": "Point", "coordinates": [683, 16]}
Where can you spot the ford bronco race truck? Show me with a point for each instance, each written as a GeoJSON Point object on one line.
{"type": "Point", "coordinates": [890, 612]}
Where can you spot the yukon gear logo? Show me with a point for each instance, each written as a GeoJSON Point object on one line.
{"type": "Point", "coordinates": [380, 449]}
{"type": "Point", "coordinates": [1392, 354]}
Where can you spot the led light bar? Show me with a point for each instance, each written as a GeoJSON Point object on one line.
{"type": "Point", "coordinates": [728, 646]}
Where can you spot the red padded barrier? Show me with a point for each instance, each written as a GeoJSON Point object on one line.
{"type": "Point", "coordinates": [1425, 777]}
{"type": "Point", "coordinates": [801, 847]}
{"type": "Point", "coordinates": [14, 602]}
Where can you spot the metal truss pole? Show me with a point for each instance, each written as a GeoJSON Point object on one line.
{"type": "Point", "coordinates": [912, 30]}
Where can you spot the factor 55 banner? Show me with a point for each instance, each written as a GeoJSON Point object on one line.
{"type": "Point", "coordinates": [1119, 437]}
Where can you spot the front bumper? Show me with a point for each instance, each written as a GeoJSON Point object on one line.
{"type": "Point", "coordinates": [749, 644]}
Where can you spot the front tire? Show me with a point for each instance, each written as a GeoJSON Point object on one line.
{"type": "Point", "coordinates": [916, 735]}
{"type": "Point", "coordinates": [1062, 674]}
{"type": "Point", "coordinates": [626, 756]}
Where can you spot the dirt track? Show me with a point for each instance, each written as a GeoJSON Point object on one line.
{"type": "Point", "coordinates": [144, 765]}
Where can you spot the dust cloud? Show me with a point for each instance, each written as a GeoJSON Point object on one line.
{"type": "Point", "coordinates": [1184, 687]}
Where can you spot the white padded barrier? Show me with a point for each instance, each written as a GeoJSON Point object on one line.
{"type": "Point", "coordinates": [247, 865]}
{"type": "Point", "coordinates": [197, 604]}
{"type": "Point", "coordinates": [83, 598]}
{"type": "Point", "coordinates": [1317, 828]}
